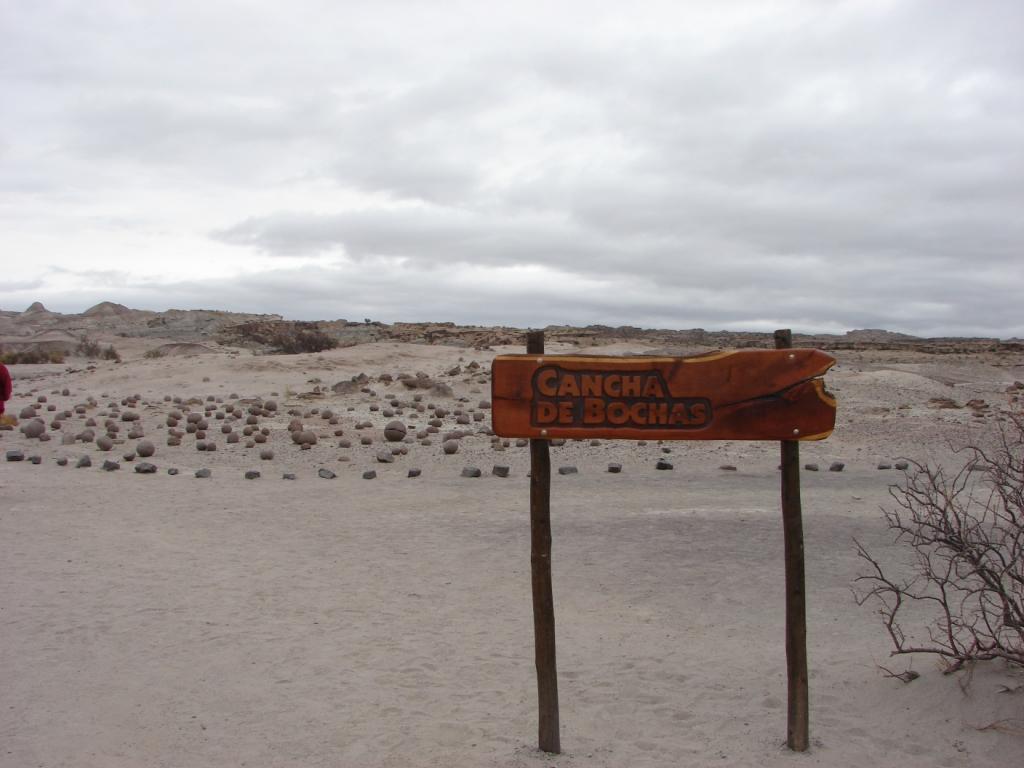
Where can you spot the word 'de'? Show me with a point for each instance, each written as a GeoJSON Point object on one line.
{"type": "Point", "coordinates": [609, 399]}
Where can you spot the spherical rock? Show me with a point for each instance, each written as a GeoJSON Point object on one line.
{"type": "Point", "coordinates": [450, 447]}
{"type": "Point", "coordinates": [305, 437]}
{"type": "Point", "coordinates": [145, 449]}
{"type": "Point", "coordinates": [104, 443]}
{"type": "Point", "coordinates": [204, 472]}
{"type": "Point", "coordinates": [266, 454]}
{"type": "Point", "coordinates": [394, 432]}
{"type": "Point", "coordinates": [33, 428]}
{"type": "Point", "coordinates": [83, 462]}
{"type": "Point", "coordinates": [385, 456]}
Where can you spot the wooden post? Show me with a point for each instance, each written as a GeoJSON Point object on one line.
{"type": "Point", "coordinates": [797, 727]}
{"type": "Point", "coordinates": [540, 569]}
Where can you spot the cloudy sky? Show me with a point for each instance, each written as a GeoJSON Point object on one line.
{"type": "Point", "coordinates": [821, 165]}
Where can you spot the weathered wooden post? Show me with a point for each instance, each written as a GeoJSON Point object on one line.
{"type": "Point", "coordinates": [540, 570]}
{"type": "Point", "coordinates": [798, 710]}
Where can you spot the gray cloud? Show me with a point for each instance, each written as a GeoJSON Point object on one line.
{"type": "Point", "coordinates": [822, 165]}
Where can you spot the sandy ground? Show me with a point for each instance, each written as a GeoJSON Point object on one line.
{"type": "Point", "coordinates": [159, 620]}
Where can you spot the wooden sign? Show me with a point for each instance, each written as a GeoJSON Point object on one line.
{"type": "Point", "coordinates": [749, 394]}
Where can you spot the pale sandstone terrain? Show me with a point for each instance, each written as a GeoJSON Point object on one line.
{"type": "Point", "coordinates": [167, 619]}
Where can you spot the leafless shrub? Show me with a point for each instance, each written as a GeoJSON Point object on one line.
{"type": "Point", "coordinates": [282, 336]}
{"type": "Point", "coordinates": [88, 348]}
{"type": "Point", "coordinates": [965, 531]}
{"type": "Point", "coordinates": [31, 357]}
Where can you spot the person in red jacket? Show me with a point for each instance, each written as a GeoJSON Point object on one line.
{"type": "Point", "coordinates": [5, 387]}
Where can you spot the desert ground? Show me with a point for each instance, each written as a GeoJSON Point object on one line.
{"type": "Point", "coordinates": [165, 619]}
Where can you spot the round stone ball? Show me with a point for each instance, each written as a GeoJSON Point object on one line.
{"type": "Point", "coordinates": [145, 449]}
{"type": "Point", "coordinates": [394, 432]}
{"type": "Point", "coordinates": [33, 428]}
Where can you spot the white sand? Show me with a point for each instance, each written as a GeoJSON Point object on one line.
{"type": "Point", "coordinates": [168, 620]}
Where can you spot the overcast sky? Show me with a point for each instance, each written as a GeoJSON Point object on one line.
{"type": "Point", "coordinates": [727, 165]}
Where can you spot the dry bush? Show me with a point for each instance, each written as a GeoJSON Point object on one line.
{"type": "Point", "coordinates": [965, 532]}
{"type": "Point", "coordinates": [88, 348]}
{"type": "Point", "coordinates": [282, 336]}
{"type": "Point", "coordinates": [32, 357]}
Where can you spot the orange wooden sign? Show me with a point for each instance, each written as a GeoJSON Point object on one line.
{"type": "Point", "coordinates": [748, 394]}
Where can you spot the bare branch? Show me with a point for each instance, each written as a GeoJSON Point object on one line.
{"type": "Point", "coordinates": [966, 531]}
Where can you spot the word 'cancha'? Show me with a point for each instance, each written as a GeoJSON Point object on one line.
{"type": "Point", "coordinates": [595, 398]}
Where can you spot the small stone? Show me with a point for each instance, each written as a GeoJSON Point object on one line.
{"type": "Point", "coordinates": [728, 468]}
{"type": "Point", "coordinates": [83, 461]}
{"type": "Point", "coordinates": [902, 465]}
{"type": "Point", "coordinates": [110, 466]}
{"type": "Point", "coordinates": [203, 473]}
{"type": "Point", "coordinates": [15, 455]}
{"type": "Point", "coordinates": [252, 474]}
{"type": "Point", "coordinates": [288, 476]}
{"type": "Point", "coordinates": [470, 472]}
{"type": "Point", "coordinates": [567, 470]}
{"type": "Point", "coordinates": [145, 468]}
{"type": "Point", "coordinates": [614, 468]}
{"type": "Point", "coordinates": [172, 471]}
{"type": "Point", "coordinates": [145, 449]}
{"type": "Point", "coordinates": [558, 441]}
{"type": "Point", "coordinates": [62, 461]}
{"type": "Point", "coordinates": [414, 472]}
{"type": "Point", "coordinates": [884, 465]}
{"type": "Point", "coordinates": [449, 447]}
{"type": "Point", "coordinates": [128, 456]}
{"type": "Point", "coordinates": [836, 466]}
{"type": "Point", "coordinates": [35, 459]}
{"type": "Point", "coordinates": [522, 442]}
{"type": "Point", "coordinates": [326, 474]}
{"type": "Point", "coordinates": [385, 456]}
{"type": "Point", "coordinates": [369, 474]}
{"type": "Point", "coordinates": [811, 467]}
{"type": "Point", "coordinates": [662, 464]}
{"type": "Point", "coordinates": [266, 454]}
{"type": "Point", "coordinates": [500, 470]}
